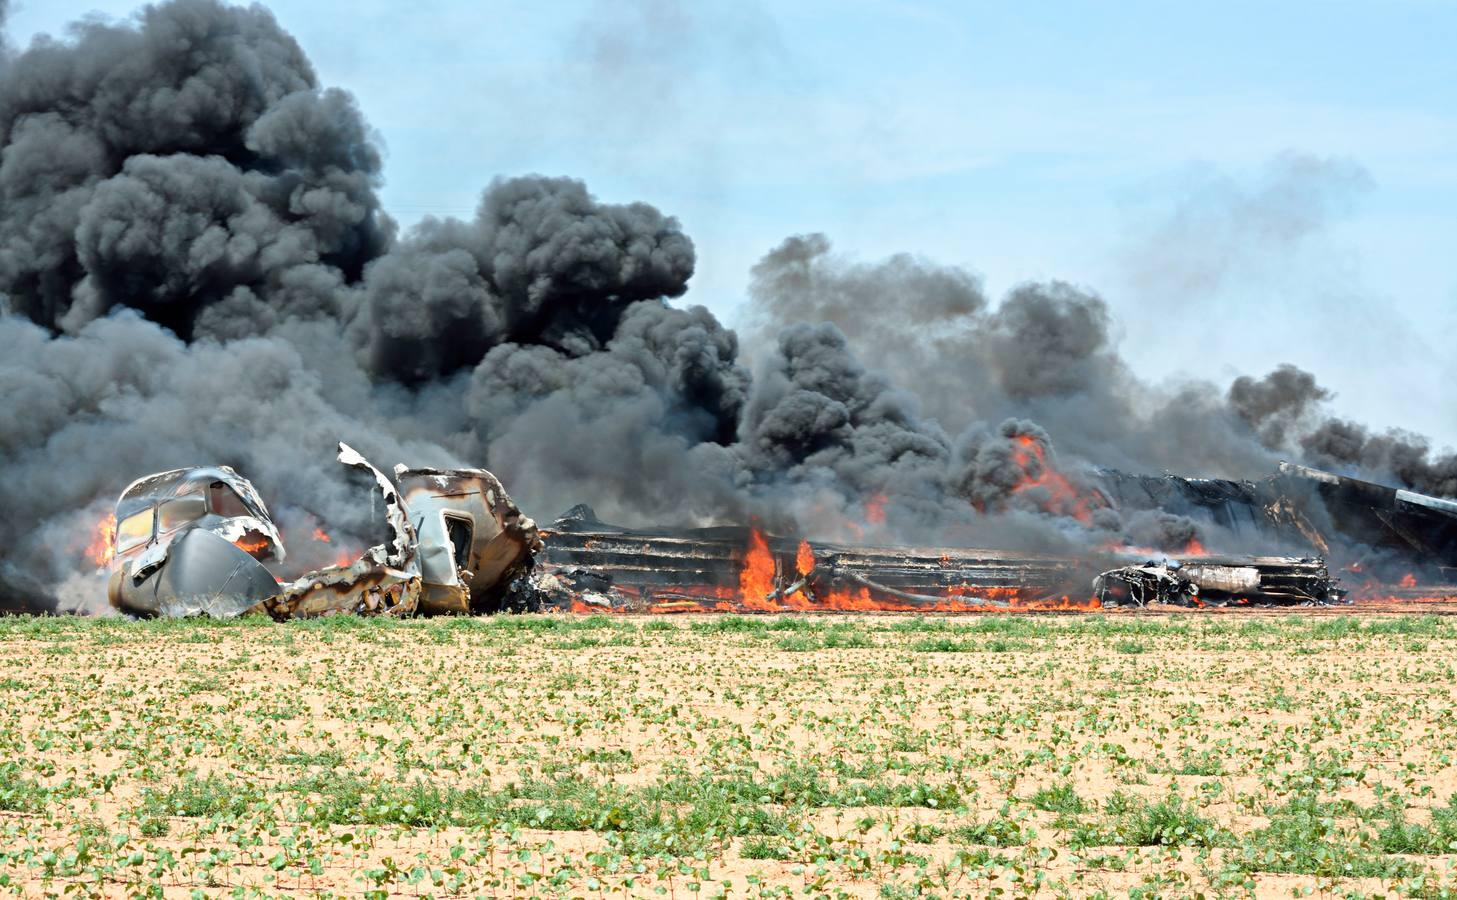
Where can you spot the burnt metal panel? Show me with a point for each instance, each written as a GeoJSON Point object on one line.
{"type": "Point", "coordinates": [502, 540]}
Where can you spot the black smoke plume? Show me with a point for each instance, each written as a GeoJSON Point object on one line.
{"type": "Point", "coordinates": [1278, 405]}
{"type": "Point", "coordinates": [195, 269]}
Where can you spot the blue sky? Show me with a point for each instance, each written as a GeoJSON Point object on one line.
{"type": "Point", "coordinates": [1245, 183]}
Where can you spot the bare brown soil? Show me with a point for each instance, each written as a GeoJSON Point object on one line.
{"type": "Point", "coordinates": [1232, 753]}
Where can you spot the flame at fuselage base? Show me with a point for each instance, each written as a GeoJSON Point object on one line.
{"type": "Point", "coordinates": [597, 568]}
{"type": "Point", "coordinates": [1408, 593]}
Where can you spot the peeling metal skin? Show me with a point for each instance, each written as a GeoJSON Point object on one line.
{"type": "Point", "coordinates": [364, 588]}
{"type": "Point", "coordinates": [403, 546]}
{"type": "Point", "coordinates": [385, 581]}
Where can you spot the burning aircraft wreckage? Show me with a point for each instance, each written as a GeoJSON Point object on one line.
{"type": "Point", "coordinates": [199, 541]}
{"type": "Point", "coordinates": [244, 252]}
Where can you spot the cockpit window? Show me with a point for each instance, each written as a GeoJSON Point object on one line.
{"type": "Point", "coordinates": [179, 511]}
{"type": "Point", "coordinates": [224, 501]}
{"type": "Point", "coordinates": [134, 530]}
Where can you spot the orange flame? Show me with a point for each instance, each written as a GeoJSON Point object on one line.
{"type": "Point", "coordinates": [1194, 548]}
{"type": "Point", "coordinates": [760, 590]}
{"type": "Point", "coordinates": [253, 544]}
{"type": "Point", "coordinates": [1062, 498]}
{"type": "Point", "coordinates": [756, 579]}
{"type": "Point", "coordinates": [344, 556]}
{"type": "Point", "coordinates": [1057, 604]}
{"type": "Point", "coordinates": [804, 559]}
{"type": "Point", "coordinates": [875, 510]}
{"type": "Point", "coordinates": [1408, 580]}
{"type": "Point", "coordinates": [102, 546]}
{"type": "Point", "coordinates": [959, 600]}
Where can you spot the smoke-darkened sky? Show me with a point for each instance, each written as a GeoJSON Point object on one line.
{"type": "Point", "coordinates": [1244, 184]}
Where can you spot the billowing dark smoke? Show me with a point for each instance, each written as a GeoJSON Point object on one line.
{"type": "Point", "coordinates": [1163, 531]}
{"type": "Point", "coordinates": [124, 397]}
{"type": "Point", "coordinates": [543, 263]}
{"type": "Point", "coordinates": [1278, 405]}
{"type": "Point", "coordinates": [1399, 456]}
{"type": "Point", "coordinates": [188, 162]}
{"type": "Point", "coordinates": [1045, 353]}
{"type": "Point", "coordinates": [1284, 408]}
{"type": "Point", "coordinates": [195, 269]}
{"type": "Point", "coordinates": [4, 44]}
{"type": "Point", "coordinates": [641, 426]}
{"type": "Point", "coordinates": [822, 435]}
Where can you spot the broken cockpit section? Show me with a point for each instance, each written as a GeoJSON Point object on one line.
{"type": "Point", "coordinates": [200, 541]}
{"type": "Point", "coordinates": [192, 542]}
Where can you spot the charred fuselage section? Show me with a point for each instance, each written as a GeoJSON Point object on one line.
{"type": "Point", "coordinates": [592, 566]}
{"type": "Point", "coordinates": [1302, 511]}
{"type": "Point", "coordinates": [474, 542]}
{"type": "Point", "coordinates": [1220, 581]}
{"type": "Point", "coordinates": [1297, 521]}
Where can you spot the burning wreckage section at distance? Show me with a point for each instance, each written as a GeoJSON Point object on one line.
{"type": "Point", "coordinates": [588, 565]}
{"type": "Point", "coordinates": [200, 541]}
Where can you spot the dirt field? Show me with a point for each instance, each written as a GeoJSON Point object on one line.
{"type": "Point", "coordinates": [891, 757]}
